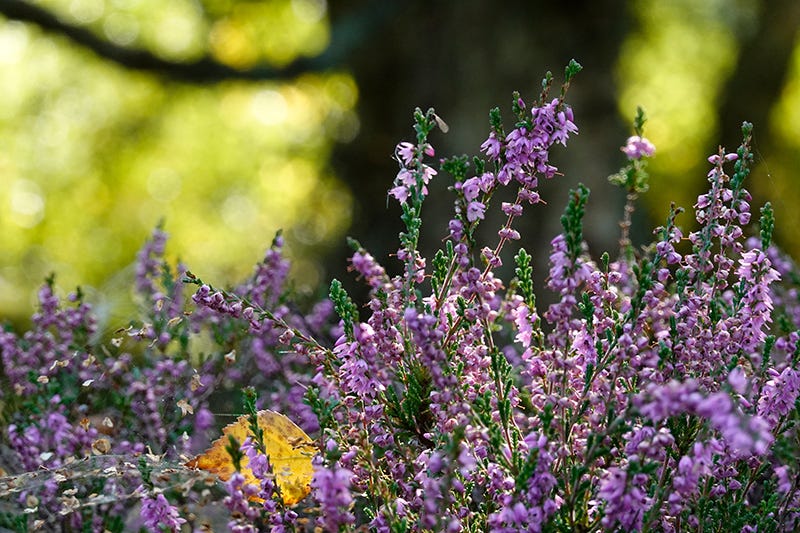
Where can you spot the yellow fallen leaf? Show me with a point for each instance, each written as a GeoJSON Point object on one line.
{"type": "Point", "coordinates": [289, 449]}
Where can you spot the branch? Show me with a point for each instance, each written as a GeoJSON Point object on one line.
{"type": "Point", "coordinates": [348, 33]}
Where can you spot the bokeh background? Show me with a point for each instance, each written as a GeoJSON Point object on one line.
{"type": "Point", "coordinates": [231, 119]}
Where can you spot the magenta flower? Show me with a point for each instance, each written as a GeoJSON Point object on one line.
{"type": "Point", "coordinates": [405, 153]}
{"type": "Point", "coordinates": [158, 515]}
{"type": "Point", "coordinates": [331, 488]}
{"type": "Point", "coordinates": [400, 192]}
{"type": "Point", "coordinates": [491, 146]}
{"type": "Point", "coordinates": [638, 147]}
{"type": "Point", "coordinates": [626, 501]}
{"type": "Point", "coordinates": [471, 188]}
{"type": "Point", "coordinates": [475, 211]}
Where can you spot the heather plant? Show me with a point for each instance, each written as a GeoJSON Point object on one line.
{"type": "Point", "coordinates": [89, 423]}
{"type": "Point", "coordinates": [657, 393]}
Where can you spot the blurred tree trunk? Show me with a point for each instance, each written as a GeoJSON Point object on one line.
{"type": "Point", "coordinates": [764, 62]}
{"type": "Point", "coordinates": [762, 71]}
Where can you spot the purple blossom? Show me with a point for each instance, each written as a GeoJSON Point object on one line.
{"type": "Point", "coordinates": [244, 516]}
{"type": "Point", "coordinates": [524, 319]}
{"type": "Point", "coordinates": [584, 345]}
{"type": "Point", "coordinates": [756, 269]}
{"type": "Point", "coordinates": [366, 265]}
{"type": "Point", "coordinates": [637, 147]}
{"type": "Point", "coordinates": [405, 153]}
{"type": "Point", "coordinates": [491, 146]}
{"type": "Point", "coordinates": [149, 263]}
{"type": "Point", "coordinates": [158, 515]}
{"type": "Point", "coordinates": [625, 500]}
{"type": "Point", "coordinates": [331, 488]}
{"type": "Point", "coordinates": [510, 209]}
{"type": "Point", "coordinates": [525, 149]}
{"type": "Point", "coordinates": [745, 435]}
{"type": "Point", "coordinates": [779, 394]}
{"type": "Point", "coordinates": [355, 371]}
{"type": "Point", "coordinates": [471, 188]}
{"type": "Point", "coordinates": [475, 211]}
{"type": "Point", "coordinates": [400, 193]}
{"type": "Point", "coordinates": [509, 234]}
{"type": "Point", "coordinates": [530, 509]}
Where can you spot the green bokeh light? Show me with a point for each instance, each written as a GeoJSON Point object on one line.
{"type": "Point", "coordinates": [675, 66]}
{"type": "Point", "coordinates": [95, 155]}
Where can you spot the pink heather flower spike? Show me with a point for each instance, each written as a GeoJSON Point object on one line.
{"type": "Point", "coordinates": [405, 153]}
{"type": "Point", "coordinates": [158, 515]}
{"type": "Point", "coordinates": [637, 147]}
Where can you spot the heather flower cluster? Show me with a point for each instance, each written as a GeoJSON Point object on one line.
{"type": "Point", "coordinates": [658, 392]}
{"type": "Point", "coordinates": [159, 515]}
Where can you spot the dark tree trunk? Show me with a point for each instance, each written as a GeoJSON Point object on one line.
{"type": "Point", "coordinates": [463, 59]}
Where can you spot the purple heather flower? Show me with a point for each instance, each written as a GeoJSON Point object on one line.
{"type": "Point", "coordinates": [715, 159]}
{"type": "Point", "coordinates": [523, 319]}
{"type": "Point", "coordinates": [238, 503]}
{"type": "Point", "coordinates": [149, 263]}
{"type": "Point", "coordinates": [203, 419]}
{"type": "Point", "coordinates": [400, 193]}
{"type": "Point", "coordinates": [158, 515]}
{"type": "Point", "coordinates": [626, 500]}
{"type": "Point", "coordinates": [532, 197]}
{"type": "Point", "coordinates": [475, 211]}
{"type": "Point", "coordinates": [366, 265]}
{"type": "Point", "coordinates": [405, 153]}
{"type": "Point", "coordinates": [406, 178]}
{"type": "Point", "coordinates": [491, 146]}
{"type": "Point", "coordinates": [756, 269]}
{"type": "Point", "coordinates": [526, 149]}
{"type": "Point", "coordinates": [565, 126]}
{"type": "Point", "coordinates": [331, 488]}
{"type": "Point", "coordinates": [637, 147]}
{"type": "Point", "coordinates": [427, 173]}
{"type": "Point", "coordinates": [510, 209]}
{"type": "Point", "coordinates": [534, 504]}
{"type": "Point", "coordinates": [784, 475]}
{"type": "Point", "coordinates": [745, 435]}
{"type": "Point", "coordinates": [492, 259]}
{"type": "Point", "coordinates": [456, 229]}
{"type": "Point", "coordinates": [667, 250]}
{"type": "Point", "coordinates": [779, 394]}
{"type": "Point", "coordinates": [487, 181]}
{"type": "Point", "coordinates": [471, 188]}
{"type": "Point", "coordinates": [691, 357]}
{"type": "Point", "coordinates": [737, 380]}
{"type": "Point", "coordinates": [509, 233]}
{"type": "Point", "coordinates": [584, 345]}
{"type": "Point", "coordinates": [691, 469]}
